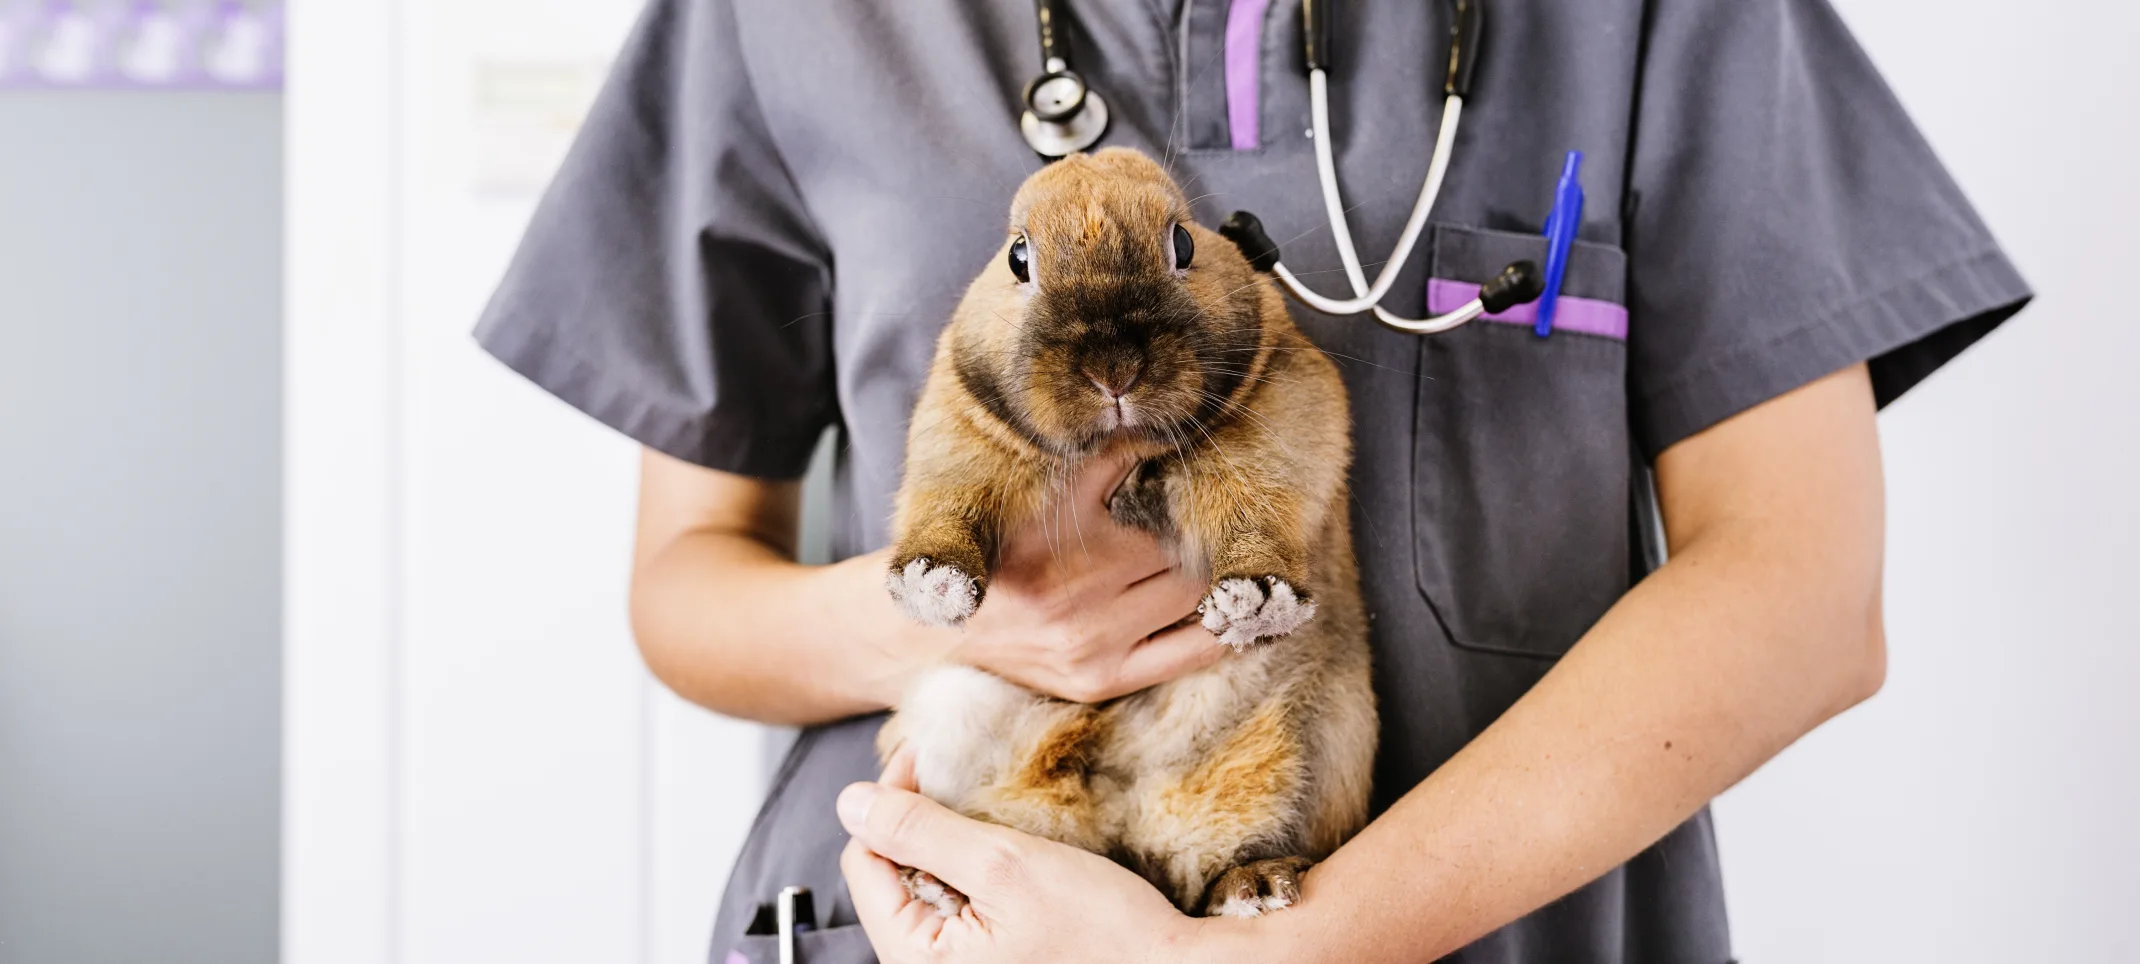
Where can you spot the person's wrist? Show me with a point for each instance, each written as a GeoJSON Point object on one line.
{"type": "Point", "coordinates": [1216, 940]}
{"type": "Point", "coordinates": [899, 647]}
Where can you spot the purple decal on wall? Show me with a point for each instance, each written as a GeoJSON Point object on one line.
{"type": "Point", "coordinates": [141, 44]}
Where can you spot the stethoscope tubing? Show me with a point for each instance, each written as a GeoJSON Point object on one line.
{"type": "Point", "coordinates": [1055, 130]}
{"type": "Point", "coordinates": [1368, 297]}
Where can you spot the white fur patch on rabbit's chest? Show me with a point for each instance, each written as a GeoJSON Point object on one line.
{"type": "Point", "coordinates": [971, 730]}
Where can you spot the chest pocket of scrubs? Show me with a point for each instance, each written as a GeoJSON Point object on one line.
{"type": "Point", "coordinates": [1521, 472]}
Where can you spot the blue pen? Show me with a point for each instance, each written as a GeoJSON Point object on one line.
{"type": "Point", "coordinates": [1561, 226]}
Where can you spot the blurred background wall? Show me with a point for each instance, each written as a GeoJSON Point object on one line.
{"type": "Point", "coordinates": [1983, 807]}
{"type": "Point", "coordinates": [140, 526]}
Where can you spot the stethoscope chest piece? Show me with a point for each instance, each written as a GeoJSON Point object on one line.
{"type": "Point", "coordinates": [1062, 115]}
{"type": "Point", "coordinates": [1081, 129]}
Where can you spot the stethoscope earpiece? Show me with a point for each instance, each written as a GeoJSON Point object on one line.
{"type": "Point", "coordinates": [1518, 284]}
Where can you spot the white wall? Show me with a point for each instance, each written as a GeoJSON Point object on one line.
{"type": "Point", "coordinates": [1986, 806]}
{"type": "Point", "coordinates": [478, 767]}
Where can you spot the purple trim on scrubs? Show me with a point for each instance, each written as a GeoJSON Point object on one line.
{"type": "Point", "coordinates": [1587, 315]}
{"type": "Point", "coordinates": [736, 957]}
{"type": "Point", "coordinates": [1244, 52]}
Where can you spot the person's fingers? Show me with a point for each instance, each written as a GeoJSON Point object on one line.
{"type": "Point", "coordinates": [1098, 478]}
{"type": "Point", "coordinates": [1169, 655]}
{"type": "Point", "coordinates": [1134, 558]}
{"type": "Point", "coordinates": [882, 906]}
{"type": "Point", "coordinates": [873, 883]}
{"type": "Point", "coordinates": [899, 770]}
{"type": "Point", "coordinates": [1095, 666]}
{"type": "Point", "coordinates": [1153, 605]}
{"type": "Point", "coordinates": [914, 831]}
{"type": "Point", "coordinates": [902, 746]}
{"type": "Point", "coordinates": [1078, 538]}
{"type": "Point", "coordinates": [1078, 524]}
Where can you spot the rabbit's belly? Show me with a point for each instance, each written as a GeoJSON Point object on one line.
{"type": "Point", "coordinates": [995, 751]}
{"type": "Point", "coordinates": [960, 721]}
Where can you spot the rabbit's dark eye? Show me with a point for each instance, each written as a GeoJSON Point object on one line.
{"type": "Point", "coordinates": [1021, 260]}
{"type": "Point", "coordinates": [1184, 248]}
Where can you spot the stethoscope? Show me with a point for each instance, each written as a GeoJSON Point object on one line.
{"type": "Point", "coordinates": [1064, 115]}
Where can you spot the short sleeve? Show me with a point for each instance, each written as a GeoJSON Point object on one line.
{"type": "Point", "coordinates": [1787, 220]}
{"type": "Point", "coordinates": [670, 283]}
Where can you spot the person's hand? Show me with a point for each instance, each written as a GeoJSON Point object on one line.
{"type": "Point", "coordinates": [1084, 609]}
{"type": "Point", "coordinates": [1028, 899]}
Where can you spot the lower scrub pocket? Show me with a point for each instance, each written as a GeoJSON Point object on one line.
{"type": "Point", "coordinates": [1521, 470]}
{"type": "Point", "coordinates": [833, 945]}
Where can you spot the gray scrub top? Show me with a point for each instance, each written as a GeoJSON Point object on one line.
{"type": "Point", "coordinates": [775, 204]}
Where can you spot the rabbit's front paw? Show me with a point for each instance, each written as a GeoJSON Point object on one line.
{"type": "Point", "coordinates": [1242, 611]}
{"type": "Point", "coordinates": [937, 595]}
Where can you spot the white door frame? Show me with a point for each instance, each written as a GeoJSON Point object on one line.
{"type": "Point", "coordinates": [341, 521]}
{"type": "Point", "coordinates": [475, 765]}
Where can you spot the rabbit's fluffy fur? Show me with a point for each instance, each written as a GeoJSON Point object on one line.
{"type": "Point", "coordinates": [1222, 786]}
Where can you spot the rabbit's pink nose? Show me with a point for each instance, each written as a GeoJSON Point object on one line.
{"type": "Point", "coordinates": [1115, 381]}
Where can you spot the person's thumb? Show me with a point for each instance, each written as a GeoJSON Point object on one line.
{"type": "Point", "coordinates": [899, 770]}
{"type": "Point", "coordinates": [915, 831]}
{"type": "Point", "coordinates": [1096, 480]}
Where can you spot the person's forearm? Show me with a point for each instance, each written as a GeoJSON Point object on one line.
{"type": "Point", "coordinates": [1708, 668]}
{"type": "Point", "coordinates": [731, 624]}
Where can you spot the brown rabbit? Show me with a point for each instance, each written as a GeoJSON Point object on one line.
{"type": "Point", "coordinates": [1112, 321]}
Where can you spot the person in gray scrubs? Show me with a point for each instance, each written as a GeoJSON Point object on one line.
{"type": "Point", "coordinates": [775, 204]}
